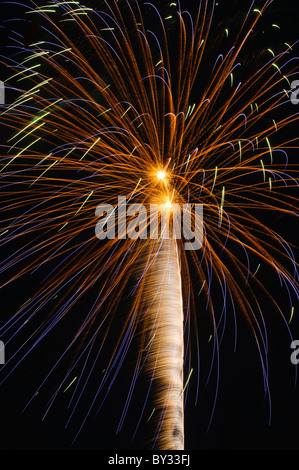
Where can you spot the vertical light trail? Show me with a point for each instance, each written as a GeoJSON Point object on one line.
{"type": "Point", "coordinates": [165, 322]}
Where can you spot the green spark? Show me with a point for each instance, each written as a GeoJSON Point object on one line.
{"type": "Point", "coordinates": [126, 112]}
{"type": "Point", "coordinates": [136, 146]}
{"type": "Point", "coordinates": [270, 149]}
{"type": "Point", "coordinates": [150, 417]}
{"type": "Point", "coordinates": [263, 167]}
{"type": "Point", "coordinates": [37, 44]}
{"type": "Point", "coordinates": [190, 110]}
{"type": "Point", "coordinates": [61, 228]}
{"type": "Point", "coordinates": [23, 71]}
{"type": "Point", "coordinates": [221, 205]}
{"type": "Point", "coordinates": [21, 151]}
{"type": "Point", "coordinates": [187, 381]}
{"type": "Point", "coordinates": [240, 148]}
{"type": "Point", "coordinates": [203, 284]}
{"type": "Point", "coordinates": [231, 79]}
{"type": "Point", "coordinates": [187, 163]}
{"type": "Point", "coordinates": [90, 148]}
{"type": "Point", "coordinates": [26, 135]}
{"type": "Point", "coordinates": [28, 76]}
{"type": "Point", "coordinates": [135, 189]}
{"type": "Point", "coordinates": [256, 271]}
{"type": "Point", "coordinates": [106, 110]}
{"type": "Point", "coordinates": [218, 128]}
{"type": "Point", "coordinates": [47, 169]}
{"type": "Point", "coordinates": [74, 379]}
{"type": "Point", "coordinates": [34, 121]}
{"type": "Point", "coordinates": [215, 177]}
{"type": "Point", "coordinates": [276, 66]}
{"type": "Point", "coordinates": [28, 300]}
{"type": "Point", "coordinates": [90, 194]}
{"type": "Point", "coordinates": [40, 10]}
{"type": "Point", "coordinates": [62, 52]}
{"type": "Point", "coordinates": [150, 342]}
{"type": "Point", "coordinates": [292, 313]}
{"type": "Point", "coordinates": [20, 103]}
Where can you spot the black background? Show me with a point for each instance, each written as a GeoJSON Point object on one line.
{"type": "Point", "coordinates": [243, 418]}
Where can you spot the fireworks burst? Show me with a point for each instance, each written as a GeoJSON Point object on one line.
{"type": "Point", "coordinates": [102, 105]}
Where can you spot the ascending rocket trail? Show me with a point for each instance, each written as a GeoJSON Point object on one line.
{"type": "Point", "coordinates": [165, 323]}
{"type": "Point", "coordinates": [151, 103]}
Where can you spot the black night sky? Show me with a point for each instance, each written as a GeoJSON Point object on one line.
{"type": "Point", "coordinates": [245, 418]}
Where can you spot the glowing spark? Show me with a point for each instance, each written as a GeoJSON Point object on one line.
{"type": "Point", "coordinates": [188, 380]}
{"type": "Point", "coordinates": [256, 271]}
{"type": "Point", "coordinates": [161, 175]}
{"type": "Point", "coordinates": [240, 149]}
{"type": "Point", "coordinates": [276, 66]}
{"type": "Point", "coordinates": [3, 233]}
{"type": "Point", "coordinates": [43, 173]}
{"type": "Point", "coordinates": [182, 110]}
{"type": "Point", "coordinates": [292, 314]}
{"type": "Point", "coordinates": [221, 206]}
{"type": "Point", "coordinates": [263, 167]}
{"type": "Point", "coordinates": [89, 195]}
{"type": "Point", "coordinates": [135, 189]}
{"type": "Point", "coordinates": [270, 149]}
{"type": "Point", "coordinates": [74, 379]}
{"type": "Point", "coordinates": [151, 415]}
{"type": "Point", "coordinates": [215, 177]}
{"type": "Point", "coordinates": [201, 289]}
{"type": "Point", "coordinates": [90, 148]}
{"type": "Point", "coordinates": [61, 228]}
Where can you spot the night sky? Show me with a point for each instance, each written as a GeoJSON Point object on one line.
{"type": "Point", "coordinates": [244, 418]}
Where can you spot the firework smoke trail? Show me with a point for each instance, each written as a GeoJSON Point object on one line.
{"type": "Point", "coordinates": [165, 320]}
{"type": "Point", "coordinates": [99, 110]}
